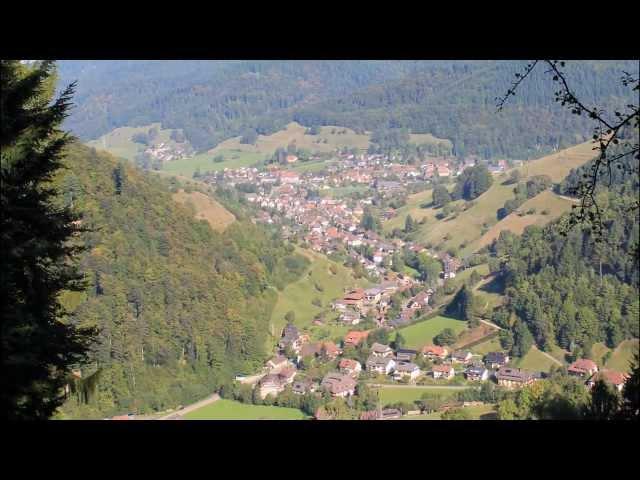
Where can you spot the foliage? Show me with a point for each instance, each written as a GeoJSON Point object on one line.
{"type": "Point", "coordinates": [181, 308]}
{"type": "Point", "coordinates": [472, 183]}
{"type": "Point", "coordinates": [40, 346]}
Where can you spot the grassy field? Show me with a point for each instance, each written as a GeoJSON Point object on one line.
{"type": "Point", "coordinates": [547, 200]}
{"type": "Point", "coordinates": [487, 296]}
{"type": "Point", "coordinates": [232, 410]}
{"type": "Point", "coordinates": [491, 345]}
{"type": "Point", "coordinates": [206, 208]}
{"type": "Point", "coordinates": [467, 227]}
{"type": "Point", "coordinates": [534, 360]}
{"type": "Point", "coordinates": [298, 295]}
{"type": "Point", "coordinates": [620, 357]}
{"type": "Point", "coordinates": [559, 164]}
{"type": "Point", "coordinates": [233, 158]}
{"type": "Point", "coordinates": [421, 333]}
{"type": "Point", "coordinates": [119, 141]}
{"type": "Point", "coordinates": [296, 133]}
{"type": "Point", "coordinates": [480, 412]}
{"type": "Point", "coordinates": [413, 208]}
{"type": "Point", "coordinates": [390, 395]}
{"type": "Point", "coordinates": [428, 139]}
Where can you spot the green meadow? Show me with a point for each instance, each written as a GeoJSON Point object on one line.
{"type": "Point", "coordinates": [232, 410]}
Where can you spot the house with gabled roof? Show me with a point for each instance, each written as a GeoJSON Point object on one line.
{"type": "Point", "coordinates": [616, 379]}
{"type": "Point", "coordinates": [384, 365]}
{"type": "Point", "coordinates": [514, 377]}
{"type": "Point", "coordinates": [406, 370]}
{"type": "Point", "coordinates": [355, 337]}
{"type": "Point", "coordinates": [583, 367]}
{"type": "Point", "coordinates": [445, 371]}
{"type": "Point", "coordinates": [350, 367]}
{"type": "Point", "coordinates": [338, 384]}
{"type": "Point", "coordinates": [496, 359]}
{"type": "Point", "coordinates": [435, 351]}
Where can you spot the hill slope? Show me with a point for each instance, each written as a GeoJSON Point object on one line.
{"type": "Point", "coordinates": [180, 307]}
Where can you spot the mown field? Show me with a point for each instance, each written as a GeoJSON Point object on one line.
{"type": "Point", "coordinates": [534, 360]}
{"type": "Point", "coordinates": [232, 158]}
{"type": "Point", "coordinates": [620, 356]}
{"type": "Point", "coordinates": [421, 333]}
{"type": "Point", "coordinates": [296, 133]}
{"type": "Point", "coordinates": [119, 141]}
{"type": "Point", "coordinates": [413, 208]}
{"type": "Point", "coordinates": [389, 395]}
{"type": "Point", "coordinates": [206, 208]}
{"type": "Point", "coordinates": [547, 200]}
{"type": "Point", "coordinates": [297, 296]}
{"type": "Point", "coordinates": [491, 345]}
{"type": "Point", "coordinates": [480, 412]}
{"type": "Point", "coordinates": [232, 410]}
{"type": "Point", "coordinates": [478, 225]}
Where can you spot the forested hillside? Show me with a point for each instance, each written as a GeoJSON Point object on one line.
{"type": "Point", "coordinates": [574, 291]}
{"type": "Point", "coordinates": [210, 100]}
{"type": "Point", "coordinates": [457, 101]}
{"type": "Point", "coordinates": [180, 308]}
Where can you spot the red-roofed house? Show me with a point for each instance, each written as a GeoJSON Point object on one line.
{"type": "Point", "coordinates": [350, 367]}
{"type": "Point", "coordinates": [434, 351]}
{"type": "Point", "coordinates": [583, 367]}
{"type": "Point", "coordinates": [354, 338]}
{"type": "Point", "coordinates": [443, 371]}
{"type": "Point", "coordinates": [612, 377]}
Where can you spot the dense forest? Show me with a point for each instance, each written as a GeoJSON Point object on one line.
{"type": "Point", "coordinates": [210, 101]}
{"type": "Point", "coordinates": [455, 100]}
{"type": "Point", "coordinates": [574, 290]}
{"type": "Point", "coordinates": [179, 307]}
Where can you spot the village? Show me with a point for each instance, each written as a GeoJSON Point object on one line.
{"type": "Point", "coordinates": [432, 365]}
{"type": "Point", "coordinates": [302, 205]}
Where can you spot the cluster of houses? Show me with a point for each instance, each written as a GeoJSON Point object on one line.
{"type": "Point", "coordinates": [167, 152]}
{"type": "Point", "coordinates": [376, 300]}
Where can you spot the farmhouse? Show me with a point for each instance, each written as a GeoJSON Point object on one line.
{"type": "Point", "coordinates": [277, 362]}
{"type": "Point", "coordinates": [271, 385]}
{"type": "Point", "coordinates": [350, 317]}
{"type": "Point", "coordinates": [406, 355]}
{"type": "Point", "coordinates": [583, 367]}
{"type": "Point", "coordinates": [300, 387]}
{"type": "Point", "coordinates": [384, 365]}
{"type": "Point", "coordinates": [354, 338]}
{"type": "Point", "coordinates": [379, 350]}
{"type": "Point", "coordinates": [611, 377]}
{"type": "Point", "coordinates": [350, 367]}
{"type": "Point", "coordinates": [496, 359]}
{"type": "Point", "coordinates": [514, 377]}
{"type": "Point", "coordinates": [461, 356]}
{"type": "Point", "coordinates": [406, 369]}
{"type": "Point", "coordinates": [435, 351]}
{"type": "Point", "coordinates": [291, 338]}
{"type": "Point", "coordinates": [339, 385]}
{"type": "Point", "coordinates": [476, 373]}
{"type": "Point", "coordinates": [443, 371]}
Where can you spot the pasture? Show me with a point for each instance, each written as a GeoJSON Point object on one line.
{"type": "Point", "coordinates": [233, 410]}
{"type": "Point", "coordinates": [421, 333]}
{"type": "Point", "coordinates": [205, 208]}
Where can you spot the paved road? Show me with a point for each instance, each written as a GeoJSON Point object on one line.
{"type": "Point", "coordinates": [429, 387]}
{"type": "Point", "coordinates": [194, 406]}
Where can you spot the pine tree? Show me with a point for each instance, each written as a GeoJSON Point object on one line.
{"type": "Point", "coordinates": [38, 348]}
